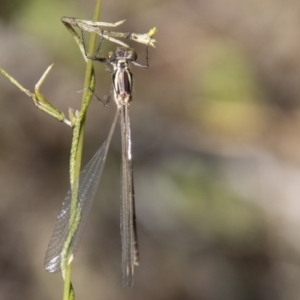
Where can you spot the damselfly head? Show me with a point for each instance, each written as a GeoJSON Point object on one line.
{"type": "Point", "coordinates": [122, 53]}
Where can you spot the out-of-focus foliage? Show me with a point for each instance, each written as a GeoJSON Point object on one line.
{"type": "Point", "coordinates": [10, 9]}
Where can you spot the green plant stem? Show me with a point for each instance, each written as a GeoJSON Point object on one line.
{"type": "Point", "coordinates": [78, 136]}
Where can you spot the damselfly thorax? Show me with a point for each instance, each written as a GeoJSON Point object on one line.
{"type": "Point", "coordinates": [122, 77]}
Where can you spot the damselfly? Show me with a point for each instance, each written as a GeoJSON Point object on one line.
{"type": "Point", "coordinates": [70, 221]}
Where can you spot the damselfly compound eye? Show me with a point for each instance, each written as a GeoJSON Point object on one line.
{"type": "Point", "coordinates": [111, 56]}
{"type": "Point", "coordinates": [132, 55]}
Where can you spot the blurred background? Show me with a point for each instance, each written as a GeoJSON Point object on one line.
{"type": "Point", "coordinates": [216, 145]}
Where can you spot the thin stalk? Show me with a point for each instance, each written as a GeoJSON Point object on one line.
{"type": "Point", "coordinates": [77, 143]}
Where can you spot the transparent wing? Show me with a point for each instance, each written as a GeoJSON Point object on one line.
{"type": "Point", "coordinates": [71, 220]}
{"type": "Point", "coordinates": [128, 219]}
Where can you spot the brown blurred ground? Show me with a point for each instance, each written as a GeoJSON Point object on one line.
{"type": "Point", "coordinates": [216, 143]}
